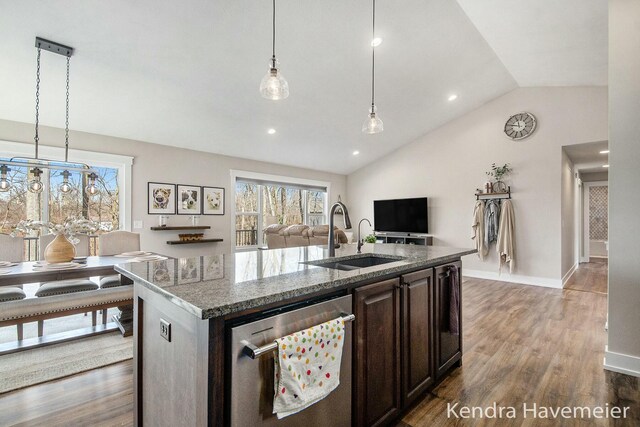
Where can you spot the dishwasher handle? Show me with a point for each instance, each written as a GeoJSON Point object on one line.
{"type": "Point", "coordinates": [255, 352]}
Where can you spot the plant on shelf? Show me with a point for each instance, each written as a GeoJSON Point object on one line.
{"type": "Point", "coordinates": [62, 248]}
{"type": "Point", "coordinates": [370, 239]}
{"type": "Point", "coordinates": [498, 173]}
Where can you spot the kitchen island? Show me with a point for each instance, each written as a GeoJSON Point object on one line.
{"type": "Point", "coordinates": [188, 362]}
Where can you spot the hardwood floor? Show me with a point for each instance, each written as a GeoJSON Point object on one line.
{"type": "Point", "coordinates": [102, 397]}
{"type": "Point", "coordinates": [522, 344]}
{"type": "Point", "coordinates": [590, 277]}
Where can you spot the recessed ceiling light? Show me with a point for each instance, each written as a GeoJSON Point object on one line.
{"type": "Point", "coordinates": [271, 131]}
{"type": "Point", "coordinates": [605, 166]}
{"type": "Point", "coordinates": [376, 42]}
{"type": "Point", "coordinates": [604, 152]}
{"type": "Point", "coordinates": [452, 97]}
{"type": "Point", "coordinates": [355, 153]}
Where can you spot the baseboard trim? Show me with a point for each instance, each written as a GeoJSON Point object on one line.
{"type": "Point", "coordinates": [567, 276]}
{"type": "Point", "coordinates": [514, 278]}
{"type": "Point", "coordinates": [584, 259]}
{"type": "Point", "coordinates": [621, 363]}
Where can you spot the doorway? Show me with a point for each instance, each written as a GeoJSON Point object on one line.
{"type": "Point", "coordinates": [589, 164]}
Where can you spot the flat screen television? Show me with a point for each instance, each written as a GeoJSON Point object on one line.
{"type": "Point", "coordinates": [401, 215]}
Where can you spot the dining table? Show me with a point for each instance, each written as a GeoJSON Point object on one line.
{"type": "Point", "coordinates": [27, 272]}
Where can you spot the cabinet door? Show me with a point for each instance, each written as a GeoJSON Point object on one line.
{"type": "Point", "coordinates": [448, 345]}
{"type": "Point", "coordinates": [417, 334]}
{"type": "Point", "coordinates": [377, 355]}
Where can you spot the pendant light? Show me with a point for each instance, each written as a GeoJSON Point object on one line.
{"type": "Point", "coordinates": [35, 164]}
{"type": "Point", "coordinates": [91, 188]}
{"type": "Point", "coordinates": [65, 187]}
{"type": "Point", "coordinates": [373, 124]}
{"type": "Point", "coordinates": [5, 185]}
{"type": "Point", "coordinates": [274, 86]}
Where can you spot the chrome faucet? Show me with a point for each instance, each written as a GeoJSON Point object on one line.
{"type": "Point", "coordinates": [360, 244]}
{"type": "Point", "coordinates": [347, 225]}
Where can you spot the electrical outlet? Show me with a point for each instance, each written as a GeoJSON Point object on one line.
{"type": "Point", "coordinates": [165, 330]}
{"type": "Point", "coordinates": [137, 225]}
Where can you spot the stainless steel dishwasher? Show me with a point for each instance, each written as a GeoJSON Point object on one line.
{"type": "Point", "coordinates": [252, 379]}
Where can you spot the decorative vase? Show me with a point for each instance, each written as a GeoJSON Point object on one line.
{"type": "Point", "coordinates": [499, 187]}
{"type": "Point", "coordinates": [59, 250]}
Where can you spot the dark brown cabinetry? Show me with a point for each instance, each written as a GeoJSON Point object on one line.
{"type": "Point", "coordinates": [394, 346]}
{"type": "Point", "coordinates": [417, 334]}
{"type": "Point", "coordinates": [448, 346]}
{"type": "Point", "coordinates": [377, 353]}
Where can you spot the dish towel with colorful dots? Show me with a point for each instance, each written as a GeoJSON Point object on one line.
{"type": "Point", "coordinates": [307, 367]}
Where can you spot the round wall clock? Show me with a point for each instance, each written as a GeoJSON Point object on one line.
{"type": "Point", "coordinates": [520, 125]}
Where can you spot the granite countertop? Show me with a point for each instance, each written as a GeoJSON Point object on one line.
{"type": "Point", "coordinates": [212, 286]}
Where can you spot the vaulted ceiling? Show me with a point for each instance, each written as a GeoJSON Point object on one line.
{"type": "Point", "coordinates": [186, 73]}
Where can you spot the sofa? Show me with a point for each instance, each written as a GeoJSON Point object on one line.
{"type": "Point", "coordinates": [289, 236]}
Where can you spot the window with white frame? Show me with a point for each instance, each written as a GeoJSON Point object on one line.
{"type": "Point", "coordinates": [260, 202]}
{"type": "Point", "coordinates": [110, 206]}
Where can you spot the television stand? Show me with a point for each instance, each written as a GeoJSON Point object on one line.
{"type": "Point", "coordinates": [404, 238]}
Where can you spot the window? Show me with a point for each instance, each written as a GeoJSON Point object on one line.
{"type": "Point", "coordinates": [110, 207]}
{"type": "Point", "coordinates": [260, 202]}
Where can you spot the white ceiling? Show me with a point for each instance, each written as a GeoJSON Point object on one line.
{"type": "Point", "coordinates": [587, 157]}
{"type": "Point", "coordinates": [546, 42]}
{"type": "Point", "coordinates": [186, 73]}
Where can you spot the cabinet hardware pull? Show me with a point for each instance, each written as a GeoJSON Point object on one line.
{"type": "Point", "coordinates": [255, 352]}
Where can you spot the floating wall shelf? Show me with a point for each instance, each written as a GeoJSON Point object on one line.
{"type": "Point", "coordinates": [185, 227]}
{"type": "Point", "coordinates": [187, 242]}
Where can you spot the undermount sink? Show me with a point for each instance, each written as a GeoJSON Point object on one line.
{"type": "Point", "coordinates": [354, 263]}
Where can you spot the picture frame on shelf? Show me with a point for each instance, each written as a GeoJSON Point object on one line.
{"type": "Point", "coordinates": [161, 198]}
{"type": "Point", "coordinates": [189, 199]}
{"type": "Point", "coordinates": [212, 201]}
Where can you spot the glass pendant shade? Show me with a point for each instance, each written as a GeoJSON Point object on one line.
{"type": "Point", "coordinates": [35, 185]}
{"type": "Point", "coordinates": [274, 86]}
{"type": "Point", "coordinates": [65, 187]}
{"type": "Point", "coordinates": [5, 185]}
{"type": "Point", "coordinates": [372, 124]}
{"type": "Point", "coordinates": [91, 187]}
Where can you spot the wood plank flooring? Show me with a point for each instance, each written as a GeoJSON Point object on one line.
{"type": "Point", "coordinates": [590, 277]}
{"type": "Point", "coordinates": [521, 343]}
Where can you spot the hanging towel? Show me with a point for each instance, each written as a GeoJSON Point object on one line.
{"type": "Point", "coordinates": [477, 224]}
{"type": "Point", "coordinates": [491, 222]}
{"type": "Point", "coordinates": [506, 245]}
{"type": "Point", "coordinates": [454, 301]}
{"type": "Point", "coordinates": [307, 367]}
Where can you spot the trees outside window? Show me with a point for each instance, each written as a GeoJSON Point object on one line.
{"type": "Point", "coordinates": [258, 206]}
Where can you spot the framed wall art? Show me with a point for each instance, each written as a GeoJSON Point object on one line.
{"type": "Point", "coordinates": [189, 202]}
{"type": "Point", "coordinates": [212, 201]}
{"type": "Point", "coordinates": [161, 198]}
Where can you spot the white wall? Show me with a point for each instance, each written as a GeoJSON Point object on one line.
{"type": "Point", "coordinates": [448, 164]}
{"type": "Point", "coordinates": [173, 165]}
{"type": "Point", "coordinates": [568, 215]}
{"type": "Point", "coordinates": [623, 353]}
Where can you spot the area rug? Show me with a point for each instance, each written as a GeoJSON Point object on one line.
{"type": "Point", "coordinates": [30, 367]}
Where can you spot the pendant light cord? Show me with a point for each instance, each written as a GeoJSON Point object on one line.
{"type": "Point", "coordinates": [37, 137]}
{"type": "Point", "coordinates": [66, 123]}
{"type": "Point", "coordinates": [273, 39]}
{"type": "Point", "coordinates": [373, 60]}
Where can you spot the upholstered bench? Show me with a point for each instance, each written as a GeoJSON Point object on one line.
{"type": "Point", "coordinates": [18, 312]}
{"type": "Point", "coordinates": [13, 293]}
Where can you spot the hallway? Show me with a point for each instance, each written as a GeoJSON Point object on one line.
{"type": "Point", "coordinates": [590, 277]}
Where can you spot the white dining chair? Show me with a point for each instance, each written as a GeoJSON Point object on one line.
{"type": "Point", "coordinates": [12, 250]}
{"type": "Point", "coordinates": [115, 243]}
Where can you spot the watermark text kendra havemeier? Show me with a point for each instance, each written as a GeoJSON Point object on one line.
{"type": "Point", "coordinates": [532, 410]}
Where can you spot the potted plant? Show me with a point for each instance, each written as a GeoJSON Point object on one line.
{"type": "Point", "coordinates": [370, 239]}
{"type": "Point", "coordinates": [62, 248]}
{"type": "Point", "coordinates": [498, 173]}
